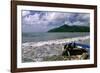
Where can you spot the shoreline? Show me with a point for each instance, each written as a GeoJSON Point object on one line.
{"type": "Point", "coordinates": [48, 50]}
{"type": "Point", "coordinates": [57, 41]}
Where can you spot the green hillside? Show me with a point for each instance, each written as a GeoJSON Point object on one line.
{"type": "Point", "coordinates": [66, 28]}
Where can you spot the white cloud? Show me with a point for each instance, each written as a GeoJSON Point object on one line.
{"type": "Point", "coordinates": [31, 19]}
{"type": "Point", "coordinates": [24, 13]}
{"type": "Point", "coordinates": [78, 23]}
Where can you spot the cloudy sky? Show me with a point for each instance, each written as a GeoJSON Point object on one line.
{"type": "Point", "coordinates": [42, 21]}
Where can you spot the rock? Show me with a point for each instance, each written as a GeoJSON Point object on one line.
{"type": "Point", "coordinates": [84, 56]}
{"type": "Point", "coordinates": [75, 51]}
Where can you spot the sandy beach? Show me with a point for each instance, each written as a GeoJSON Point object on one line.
{"type": "Point", "coordinates": [48, 50]}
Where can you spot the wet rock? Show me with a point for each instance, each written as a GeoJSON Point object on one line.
{"type": "Point", "coordinates": [84, 56]}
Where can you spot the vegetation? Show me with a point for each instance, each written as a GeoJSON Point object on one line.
{"type": "Point", "coordinates": [66, 28]}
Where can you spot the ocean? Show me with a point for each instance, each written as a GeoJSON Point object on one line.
{"type": "Point", "coordinates": [42, 36]}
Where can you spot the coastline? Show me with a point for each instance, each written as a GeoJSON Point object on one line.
{"type": "Point", "coordinates": [47, 50]}
{"type": "Point", "coordinates": [57, 41]}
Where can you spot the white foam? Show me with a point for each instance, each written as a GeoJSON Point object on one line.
{"type": "Point", "coordinates": [57, 41]}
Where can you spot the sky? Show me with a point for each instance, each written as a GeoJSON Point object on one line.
{"type": "Point", "coordinates": [42, 21]}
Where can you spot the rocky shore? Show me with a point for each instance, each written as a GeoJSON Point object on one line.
{"type": "Point", "coordinates": [49, 50]}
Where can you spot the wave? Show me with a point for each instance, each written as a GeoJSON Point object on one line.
{"type": "Point", "coordinates": [57, 41]}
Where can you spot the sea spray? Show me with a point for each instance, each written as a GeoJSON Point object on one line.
{"type": "Point", "coordinates": [57, 41]}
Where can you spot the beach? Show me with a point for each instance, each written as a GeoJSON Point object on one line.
{"type": "Point", "coordinates": [50, 50]}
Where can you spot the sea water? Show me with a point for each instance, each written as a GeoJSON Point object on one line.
{"type": "Point", "coordinates": [45, 36]}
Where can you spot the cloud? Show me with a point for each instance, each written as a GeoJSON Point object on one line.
{"type": "Point", "coordinates": [31, 19]}
{"type": "Point", "coordinates": [42, 21]}
{"type": "Point", "coordinates": [24, 13]}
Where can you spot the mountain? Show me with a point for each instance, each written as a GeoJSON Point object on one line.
{"type": "Point", "coordinates": [67, 28]}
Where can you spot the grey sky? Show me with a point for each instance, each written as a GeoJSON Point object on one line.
{"type": "Point", "coordinates": [42, 21]}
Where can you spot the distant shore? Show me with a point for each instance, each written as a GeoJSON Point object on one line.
{"type": "Point", "coordinates": [41, 51]}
